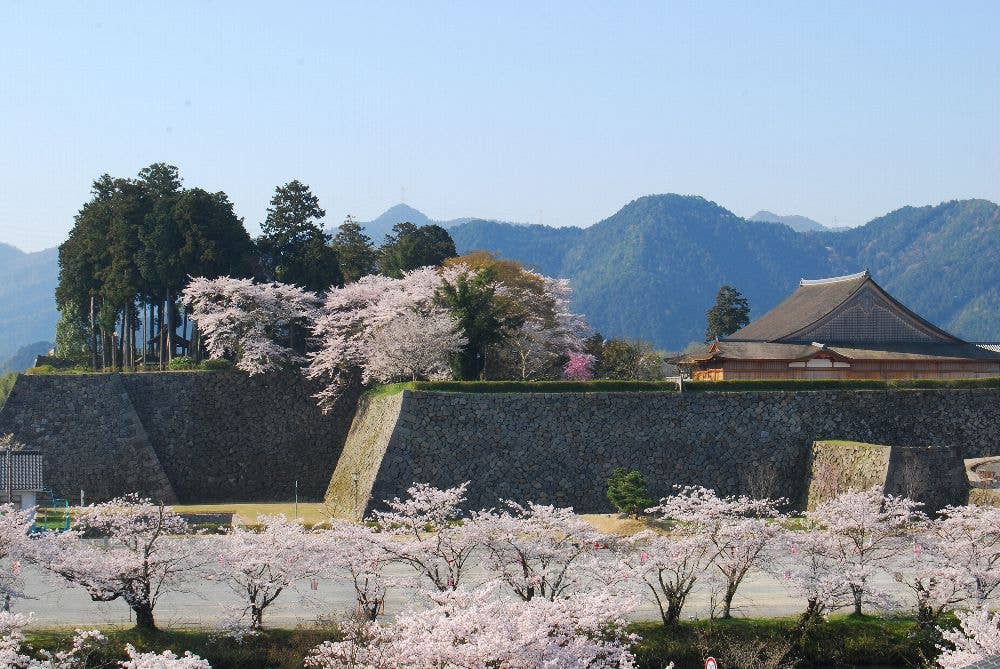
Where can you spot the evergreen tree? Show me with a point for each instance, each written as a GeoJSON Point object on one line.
{"type": "Point", "coordinates": [730, 312]}
{"type": "Point", "coordinates": [627, 492]}
{"type": "Point", "coordinates": [409, 247]}
{"type": "Point", "coordinates": [482, 318]}
{"type": "Point", "coordinates": [293, 245]}
{"type": "Point", "coordinates": [355, 251]}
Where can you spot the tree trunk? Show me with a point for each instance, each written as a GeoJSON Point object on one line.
{"type": "Point", "coordinates": [858, 593]}
{"type": "Point", "coordinates": [93, 336]}
{"type": "Point", "coordinates": [171, 324]}
{"type": "Point", "coordinates": [159, 333]}
{"type": "Point", "coordinates": [256, 617]}
{"type": "Point", "coordinates": [144, 617]}
{"type": "Point", "coordinates": [727, 602]}
{"type": "Point", "coordinates": [145, 322]}
{"type": "Point", "coordinates": [195, 341]}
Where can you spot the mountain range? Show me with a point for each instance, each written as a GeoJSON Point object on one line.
{"type": "Point", "coordinates": [27, 297]}
{"type": "Point", "coordinates": [797, 223]}
{"type": "Point", "coordinates": [401, 213]}
{"type": "Point", "coordinates": [651, 270]}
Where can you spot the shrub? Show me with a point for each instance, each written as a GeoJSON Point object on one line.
{"type": "Point", "coordinates": [181, 362]}
{"type": "Point", "coordinates": [216, 364]}
{"type": "Point", "coordinates": [627, 492]}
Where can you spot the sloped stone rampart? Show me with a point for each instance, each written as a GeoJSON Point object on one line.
{"type": "Point", "coordinates": [180, 436]}
{"type": "Point", "coordinates": [560, 448]}
{"type": "Point", "coordinates": [933, 476]}
{"type": "Point", "coordinates": [90, 434]}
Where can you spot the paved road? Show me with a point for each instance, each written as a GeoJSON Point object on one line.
{"type": "Point", "coordinates": [208, 604]}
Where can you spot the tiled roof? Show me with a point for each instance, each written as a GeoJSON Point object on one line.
{"type": "Point", "coordinates": [752, 350]}
{"type": "Point", "coordinates": [26, 470]}
{"type": "Point", "coordinates": [812, 300]}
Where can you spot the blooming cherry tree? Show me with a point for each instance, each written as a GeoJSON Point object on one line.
{"type": "Point", "coordinates": [538, 550]}
{"type": "Point", "coordinates": [866, 532]}
{"type": "Point", "coordinates": [428, 535]}
{"type": "Point", "coordinates": [966, 540]}
{"type": "Point", "coordinates": [14, 527]}
{"type": "Point", "coordinates": [739, 529]}
{"type": "Point", "coordinates": [361, 554]}
{"type": "Point", "coordinates": [667, 566]}
{"type": "Point", "coordinates": [358, 330]}
{"type": "Point", "coordinates": [579, 366]}
{"type": "Point", "coordinates": [13, 647]}
{"type": "Point", "coordinates": [259, 566]}
{"type": "Point", "coordinates": [251, 321]}
{"type": "Point", "coordinates": [141, 559]}
{"type": "Point", "coordinates": [480, 630]}
{"type": "Point", "coordinates": [977, 638]}
{"type": "Point", "coordinates": [165, 660]}
{"type": "Point", "coordinates": [414, 346]}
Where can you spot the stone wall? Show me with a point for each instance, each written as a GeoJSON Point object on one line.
{"type": "Point", "coordinates": [934, 476]}
{"type": "Point", "coordinates": [179, 436]}
{"type": "Point", "coordinates": [561, 448]}
{"type": "Point", "coordinates": [838, 466]}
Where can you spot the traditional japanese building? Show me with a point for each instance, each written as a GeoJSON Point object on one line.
{"type": "Point", "coordinates": [846, 327]}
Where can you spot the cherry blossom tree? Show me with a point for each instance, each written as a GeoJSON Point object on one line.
{"type": "Point", "coordinates": [414, 346]}
{"type": "Point", "coordinates": [13, 647]}
{"type": "Point", "coordinates": [427, 533]}
{"type": "Point", "coordinates": [966, 539]}
{"type": "Point", "coordinates": [480, 630]}
{"type": "Point", "coordinates": [14, 527]}
{"type": "Point", "coordinates": [260, 565]}
{"type": "Point", "coordinates": [360, 553]}
{"type": "Point", "coordinates": [356, 331]}
{"type": "Point", "coordinates": [251, 321]}
{"type": "Point", "coordinates": [867, 531]}
{"type": "Point", "coordinates": [977, 638]}
{"type": "Point", "coordinates": [739, 529]}
{"type": "Point", "coordinates": [550, 329]}
{"type": "Point", "coordinates": [579, 366]}
{"type": "Point", "coordinates": [140, 560]}
{"type": "Point", "coordinates": [538, 550]}
{"type": "Point", "coordinates": [165, 660]}
{"type": "Point", "coordinates": [667, 566]}
{"type": "Point", "coordinates": [808, 563]}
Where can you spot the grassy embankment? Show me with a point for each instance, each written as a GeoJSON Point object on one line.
{"type": "Point", "coordinates": [841, 642]}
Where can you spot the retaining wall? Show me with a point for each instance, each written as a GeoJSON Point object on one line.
{"type": "Point", "coordinates": [179, 436]}
{"type": "Point", "coordinates": [560, 448]}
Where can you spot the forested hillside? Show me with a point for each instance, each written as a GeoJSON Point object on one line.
{"type": "Point", "coordinates": [651, 270]}
{"type": "Point", "coordinates": [27, 297]}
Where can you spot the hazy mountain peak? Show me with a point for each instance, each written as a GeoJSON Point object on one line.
{"type": "Point", "coordinates": [797, 223]}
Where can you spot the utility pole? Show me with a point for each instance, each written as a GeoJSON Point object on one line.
{"type": "Point", "coordinates": [9, 471]}
{"type": "Point", "coordinates": [296, 499]}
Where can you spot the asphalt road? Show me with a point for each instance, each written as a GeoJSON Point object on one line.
{"type": "Point", "coordinates": [203, 603]}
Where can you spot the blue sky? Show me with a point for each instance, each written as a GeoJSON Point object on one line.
{"type": "Point", "coordinates": [551, 112]}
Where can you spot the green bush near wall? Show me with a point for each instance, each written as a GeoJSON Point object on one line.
{"type": "Point", "coordinates": [604, 386]}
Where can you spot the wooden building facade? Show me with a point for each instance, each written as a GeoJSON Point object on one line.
{"type": "Point", "coordinates": [844, 327]}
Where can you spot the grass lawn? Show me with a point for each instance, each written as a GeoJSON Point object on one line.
{"type": "Point", "coordinates": [843, 641]}
{"type": "Point", "coordinates": [310, 512]}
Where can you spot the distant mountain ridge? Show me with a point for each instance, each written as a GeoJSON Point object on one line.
{"type": "Point", "coordinates": [27, 297]}
{"type": "Point", "coordinates": [797, 223]}
{"type": "Point", "coordinates": [381, 226]}
{"type": "Point", "coordinates": [651, 270]}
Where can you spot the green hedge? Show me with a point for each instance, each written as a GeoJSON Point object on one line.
{"type": "Point", "coordinates": [600, 386]}
{"type": "Point", "coordinates": [607, 386]}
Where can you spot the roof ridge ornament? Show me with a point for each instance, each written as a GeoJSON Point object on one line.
{"type": "Point", "coordinates": [834, 279]}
